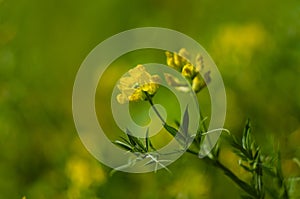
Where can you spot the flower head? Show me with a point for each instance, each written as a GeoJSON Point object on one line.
{"type": "Point", "coordinates": [189, 71]}
{"type": "Point", "coordinates": [137, 85]}
{"type": "Point", "coordinates": [179, 62]}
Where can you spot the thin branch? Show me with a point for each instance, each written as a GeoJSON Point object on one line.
{"type": "Point", "coordinates": [149, 98]}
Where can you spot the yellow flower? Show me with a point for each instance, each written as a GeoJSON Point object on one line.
{"type": "Point", "coordinates": [189, 71]}
{"type": "Point", "coordinates": [177, 61]}
{"type": "Point", "coordinates": [134, 87]}
{"type": "Point", "coordinates": [198, 83]}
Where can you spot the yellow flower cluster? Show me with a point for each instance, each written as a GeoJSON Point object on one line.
{"type": "Point", "coordinates": [189, 71]}
{"type": "Point", "coordinates": [137, 85]}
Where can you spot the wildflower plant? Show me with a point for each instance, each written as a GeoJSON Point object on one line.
{"type": "Point", "coordinates": [140, 85]}
{"type": "Point", "coordinates": [179, 62]}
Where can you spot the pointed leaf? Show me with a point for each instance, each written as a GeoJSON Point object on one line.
{"type": "Point", "coordinates": [123, 145]}
{"type": "Point", "coordinates": [177, 123]}
{"type": "Point", "coordinates": [246, 135]}
{"type": "Point", "coordinates": [170, 129]}
{"type": "Point", "coordinates": [131, 140]}
{"type": "Point", "coordinates": [185, 123]}
{"type": "Point", "coordinates": [136, 142]}
{"type": "Point", "coordinates": [126, 141]}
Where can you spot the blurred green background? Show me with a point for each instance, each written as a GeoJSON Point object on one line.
{"type": "Point", "coordinates": [255, 44]}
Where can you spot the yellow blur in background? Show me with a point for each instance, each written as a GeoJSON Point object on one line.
{"type": "Point", "coordinates": [42, 44]}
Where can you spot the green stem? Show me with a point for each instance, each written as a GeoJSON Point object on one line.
{"type": "Point", "coordinates": [243, 185]}
{"type": "Point", "coordinates": [205, 128]}
{"type": "Point", "coordinates": [149, 98]}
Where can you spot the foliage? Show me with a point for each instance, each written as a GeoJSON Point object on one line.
{"type": "Point", "coordinates": [255, 45]}
{"type": "Point", "coordinates": [251, 158]}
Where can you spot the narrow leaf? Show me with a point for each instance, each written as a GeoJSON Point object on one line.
{"type": "Point", "coordinates": [123, 145]}
{"type": "Point", "coordinates": [185, 123]}
{"type": "Point", "coordinates": [174, 132]}
{"type": "Point", "coordinates": [136, 142]}
{"type": "Point", "coordinates": [131, 140]}
{"type": "Point", "coordinates": [246, 135]}
{"type": "Point", "coordinates": [170, 129]}
{"type": "Point", "coordinates": [126, 141]}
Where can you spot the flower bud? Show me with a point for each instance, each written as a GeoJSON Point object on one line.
{"type": "Point", "coordinates": [188, 71]}
{"type": "Point", "coordinates": [198, 83]}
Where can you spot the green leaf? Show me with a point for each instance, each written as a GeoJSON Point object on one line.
{"type": "Point", "coordinates": [130, 137]}
{"type": "Point", "coordinates": [124, 139]}
{"type": "Point", "coordinates": [247, 141]}
{"type": "Point", "coordinates": [216, 150]}
{"type": "Point", "coordinates": [198, 138]}
{"type": "Point", "coordinates": [185, 123]}
{"type": "Point", "coordinates": [151, 146]}
{"type": "Point", "coordinates": [238, 148]}
{"type": "Point", "coordinates": [246, 135]}
{"type": "Point", "coordinates": [135, 142]}
{"type": "Point", "coordinates": [170, 129]}
{"type": "Point", "coordinates": [123, 145]}
{"type": "Point", "coordinates": [175, 133]}
{"type": "Point", "coordinates": [177, 123]}
{"type": "Point", "coordinates": [257, 154]}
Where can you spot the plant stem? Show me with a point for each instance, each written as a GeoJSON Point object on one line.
{"type": "Point", "coordinates": [240, 183]}
{"type": "Point", "coordinates": [154, 108]}
{"type": "Point", "coordinates": [243, 185]}
{"type": "Point", "coordinates": [205, 127]}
